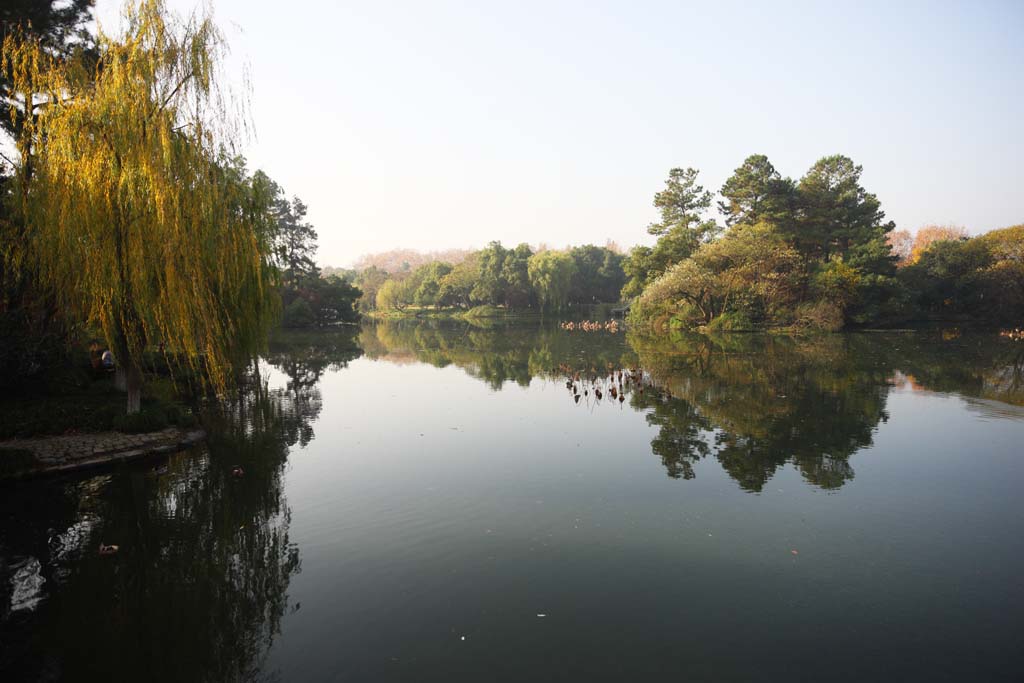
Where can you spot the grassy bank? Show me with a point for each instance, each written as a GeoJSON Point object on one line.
{"type": "Point", "coordinates": [94, 406]}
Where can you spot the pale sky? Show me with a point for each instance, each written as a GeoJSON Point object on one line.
{"type": "Point", "coordinates": [438, 124]}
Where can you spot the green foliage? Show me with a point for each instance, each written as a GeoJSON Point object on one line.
{"type": "Point", "coordinates": [788, 246]}
{"type": "Point", "coordinates": [682, 205]}
{"type": "Point", "coordinates": [837, 282]}
{"type": "Point", "coordinates": [752, 270]}
{"type": "Point", "coordinates": [756, 192]}
{"type": "Point", "coordinates": [430, 276]}
{"type": "Point", "coordinates": [456, 288]}
{"type": "Point", "coordinates": [637, 269]}
{"type": "Point", "coordinates": [731, 321]}
{"type": "Point", "coordinates": [490, 284]}
{"type": "Point", "coordinates": [598, 277]}
{"type": "Point", "coordinates": [146, 420]}
{"type": "Point", "coordinates": [682, 229]}
{"type": "Point", "coordinates": [836, 213]}
{"type": "Point", "coordinates": [392, 295]}
{"type": "Point", "coordinates": [819, 315]}
{"type": "Point", "coordinates": [369, 282]}
{"type": "Point", "coordinates": [551, 274]}
{"type": "Point", "coordinates": [497, 276]}
{"type": "Point", "coordinates": [334, 300]}
{"type": "Point", "coordinates": [292, 238]}
{"type": "Point", "coordinates": [980, 278]}
{"type": "Point", "coordinates": [298, 314]}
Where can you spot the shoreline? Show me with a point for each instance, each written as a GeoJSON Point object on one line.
{"type": "Point", "coordinates": [31, 457]}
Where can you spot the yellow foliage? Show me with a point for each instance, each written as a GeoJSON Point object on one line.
{"type": "Point", "coordinates": [930, 234]}
{"type": "Point", "coordinates": [137, 214]}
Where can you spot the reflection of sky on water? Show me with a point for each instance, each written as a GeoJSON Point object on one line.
{"type": "Point", "coordinates": [390, 509]}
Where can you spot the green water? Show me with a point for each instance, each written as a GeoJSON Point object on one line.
{"type": "Point", "coordinates": [432, 502]}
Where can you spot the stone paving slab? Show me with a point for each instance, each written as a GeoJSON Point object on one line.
{"type": "Point", "coordinates": [78, 451]}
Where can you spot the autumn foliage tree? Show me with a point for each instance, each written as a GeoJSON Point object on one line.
{"type": "Point", "coordinates": [930, 234]}
{"type": "Point", "coordinates": [136, 211]}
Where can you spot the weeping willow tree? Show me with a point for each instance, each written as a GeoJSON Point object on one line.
{"type": "Point", "coordinates": [137, 213]}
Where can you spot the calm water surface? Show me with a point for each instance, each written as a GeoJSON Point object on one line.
{"type": "Point", "coordinates": [433, 502]}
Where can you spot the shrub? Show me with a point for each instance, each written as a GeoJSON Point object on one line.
{"type": "Point", "coordinates": [298, 314]}
{"type": "Point", "coordinates": [149, 420]}
{"type": "Point", "coordinates": [734, 321]}
{"type": "Point", "coordinates": [820, 316]}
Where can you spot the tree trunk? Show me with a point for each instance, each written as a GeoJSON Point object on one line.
{"type": "Point", "coordinates": [133, 383]}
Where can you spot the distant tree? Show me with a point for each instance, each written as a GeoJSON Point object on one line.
{"type": "Point", "coordinates": [682, 205]}
{"type": "Point", "coordinates": [295, 241]}
{"type": "Point", "coordinates": [515, 277]}
{"type": "Point", "coordinates": [751, 271]}
{"type": "Point", "coordinates": [551, 276]}
{"type": "Point", "coordinates": [370, 281]}
{"type": "Point", "coordinates": [946, 278]}
{"type": "Point", "coordinates": [333, 300]}
{"type": "Point", "coordinates": [138, 218]}
{"type": "Point", "coordinates": [393, 261]}
{"type": "Point", "coordinates": [490, 285]}
{"type": "Point", "coordinates": [598, 276]}
{"type": "Point", "coordinates": [347, 274]}
{"type": "Point", "coordinates": [429, 278]}
{"type": "Point", "coordinates": [298, 314]}
{"type": "Point", "coordinates": [1002, 281]}
{"type": "Point", "coordinates": [930, 234]}
{"type": "Point", "coordinates": [637, 268]}
{"type": "Point", "coordinates": [980, 278]}
{"type": "Point", "coordinates": [457, 286]}
{"type": "Point", "coordinates": [901, 242]}
{"type": "Point", "coordinates": [682, 228]}
{"type": "Point", "coordinates": [392, 296]}
{"type": "Point", "coordinates": [757, 192]}
{"type": "Point", "coordinates": [836, 212]}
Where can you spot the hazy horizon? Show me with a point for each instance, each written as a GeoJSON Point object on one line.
{"type": "Point", "coordinates": [445, 126]}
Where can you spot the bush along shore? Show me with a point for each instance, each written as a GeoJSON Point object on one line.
{"type": "Point", "coordinates": [813, 254]}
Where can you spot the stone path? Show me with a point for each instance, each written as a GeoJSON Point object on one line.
{"type": "Point", "coordinates": [78, 451]}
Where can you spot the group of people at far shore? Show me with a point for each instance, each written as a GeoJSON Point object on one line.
{"type": "Point", "coordinates": [591, 326]}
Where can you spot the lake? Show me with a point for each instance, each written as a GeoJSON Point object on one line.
{"type": "Point", "coordinates": [454, 502]}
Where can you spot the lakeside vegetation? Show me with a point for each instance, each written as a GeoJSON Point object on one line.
{"type": "Point", "coordinates": [754, 402]}
{"type": "Point", "coordinates": [813, 254]}
{"type": "Point", "coordinates": [129, 222]}
{"type": "Point", "coordinates": [519, 279]}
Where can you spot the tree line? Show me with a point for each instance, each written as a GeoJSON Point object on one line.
{"type": "Point", "coordinates": [814, 253]}
{"type": "Point", "coordinates": [519, 278]}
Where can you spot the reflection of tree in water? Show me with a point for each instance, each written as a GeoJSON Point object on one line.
{"type": "Point", "coordinates": [754, 402]}
{"type": "Point", "coordinates": [495, 352]}
{"type": "Point", "coordinates": [971, 365]}
{"type": "Point", "coordinates": [199, 586]}
{"type": "Point", "coordinates": [769, 401]}
{"type": "Point", "coordinates": [304, 357]}
{"type": "Point", "coordinates": [682, 433]}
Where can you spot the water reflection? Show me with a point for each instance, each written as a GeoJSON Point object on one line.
{"type": "Point", "coordinates": [753, 402]}
{"type": "Point", "coordinates": [199, 585]}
